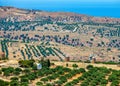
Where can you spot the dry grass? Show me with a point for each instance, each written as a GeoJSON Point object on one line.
{"type": "Point", "coordinates": [84, 65]}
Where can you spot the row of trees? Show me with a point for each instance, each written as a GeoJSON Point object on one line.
{"type": "Point", "coordinates": [10, 71]}
{"type": "Point", "coordinates": [4, 47]}
{"type": "Point", "coordinates": [37, 51]}
{"type": "Point", "coordinates": [59, 75]}
{"type": "Point", "coordinates": [21, 25]}
{"type": "Point", "coordinates": [114, 78]}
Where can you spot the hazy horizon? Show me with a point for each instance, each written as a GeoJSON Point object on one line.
{"type": "Point", "coordinates": [101, 8]}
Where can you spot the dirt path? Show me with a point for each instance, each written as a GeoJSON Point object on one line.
{"type": "Point", "coordinates": [5, 79]}
{"type": "Point", "coordinates": [34, 82]}
{"type": "Point", "coordinates": [74, 77]}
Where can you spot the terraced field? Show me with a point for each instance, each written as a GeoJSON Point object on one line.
{"type": "Point", "coordinates": [19, 50]}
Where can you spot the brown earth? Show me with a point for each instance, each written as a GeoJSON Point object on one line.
{"type": "Point", "coordinates": [23, 14]}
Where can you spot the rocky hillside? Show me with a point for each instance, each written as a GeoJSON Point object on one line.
{"type": "Point", "coordinates": [16, 14]}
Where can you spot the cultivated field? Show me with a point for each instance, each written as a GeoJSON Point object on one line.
{"type": "Point", "coordinates": [63, 74]}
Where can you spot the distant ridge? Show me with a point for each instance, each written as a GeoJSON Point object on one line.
{"type": "Point", "coordinates": [30, 14]}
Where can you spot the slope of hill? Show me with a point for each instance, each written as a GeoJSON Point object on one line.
{"type": "Point", "coordinates": [23, 14]}
{"type": "Point", "coordinates": [78, 36]}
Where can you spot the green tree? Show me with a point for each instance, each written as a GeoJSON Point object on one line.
{"type": "Point", "coordinates": [66, 64]}
{"type": "Point", "coordinates": [24, 80]}
{"type": "Point", "coordinates": [7, 73]}
{"type": "Point", "coordinates": [26, 63]}
{"type": "Point", "coordinates": [0, 72]}
{"type": "Point", "coordinates": [104, 81]}
{"type": "Point", "coordinates": [81, 70]}
{"type": "Point", "coordinates": [63, 79]}
{"type": "Point", "coordinates": [112, 77]}
{"type": "Point", "coordinates": [74, 65]}
{"type": "Point", "coordinates": [24, 84]}
{"type": "Point", "coordinates": [60, 72]}
{"type": "Point", "coordinates": [84, 84]}
{"type": "Point", "coordinates": [48, 63]}
{"type": "Point", "coordinates": [32, 76]}
{"type": "Point", "coordinates": [45, 63]}
{"type": "Point", "coordinates": [39, 83]}
{"type": "Point", "coordinates": [18, 69]}
{"type": "Point", "coordinates": [14, 78]}
{"type": "Point", "coordinates": [51, 77]}
{"type": "Point", "coordinates": [65, 69]}
{"type": "Point", "coordinates": [68, 75]}
{"type": "Point", "coordinates": [89, 67]}
{"type": "Point", "coordinates": [44, 79]}
{"type": "Point", "coordinates": [4, 83]}
{"type": "Point", "coordinates": [3, 69]}
{"type": "Point", "coordinates": [11, 69]}
{"type": "Point", "coordinates": [115, 83]}
{"type": "Point", "coordinates": [75, 81]}
{"type": "Point", "coordinates": [16, 72]}
{"type": "Point", "coordinates": [14, 83]}
{"type": "Point", "coordinates": [34, 67]}
{"type": "Point", "coordinates": [26, 71]}
{"type": "Point", "coordinates": [48, 84]}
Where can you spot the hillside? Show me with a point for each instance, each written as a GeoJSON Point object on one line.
{"type": "Point", "coordinates": [32, 15]}
{"type": "Point", "coordinates": [73, 35]}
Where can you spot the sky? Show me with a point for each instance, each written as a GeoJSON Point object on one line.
{"type": "Point", "coordinates": [102, 8]}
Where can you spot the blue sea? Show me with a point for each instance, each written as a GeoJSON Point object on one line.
{"type": "Point", "coordinates": [101, 8]}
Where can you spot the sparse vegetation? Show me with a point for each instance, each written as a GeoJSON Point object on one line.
{"type": "Point", "coordinates": [36, 40]}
